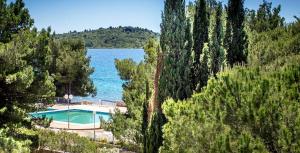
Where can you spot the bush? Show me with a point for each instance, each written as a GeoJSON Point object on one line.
{"type": "Point", "coordinates": [12, 145]}
{"type": "Point", "coordinates": [64, 141]}
{"type": "Point", "coordinates": [42, 121]}
{"type": "Point", "coordinates": [267, 46]}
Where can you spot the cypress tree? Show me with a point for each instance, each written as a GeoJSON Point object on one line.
{"type": "Point", "coordinates": [154, 133]}
{"type": "Point", "coordinates": [236, 39]}
{"type": "Point", "coordinates": [204, 67]}
{"type": "Point", "coordinates": [200, 36]}
{"type": "Point", "coordinates": [227, 37]}
{"type": "Point", "coordinates": [172, 44]}
{"type": "Point", "coordinates": [145, 116]}
{"type": "Point", "coordinates": [185, 88]}
{"type": "Point", "coordinates": [215, 45]}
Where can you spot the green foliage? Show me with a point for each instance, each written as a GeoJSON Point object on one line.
{"type": "Point", "coordinates": [243, 110]}
{"type": "Point", "coordinates": [42, 121]}
{"type": "Point", "coordinates": [24, 76]}
{"type": "Point", "coordinates": [150, 49]}
{"type": "Point", "coordinates": [29, 66]}
{"type": "Point", "coordinates": [130, 128]}
{"type": "Point", "coordinates": [265, 18]}
{"type": "Point", "coordinates": [235, 37]}
{"type": "Point", "coordinates": [12, 145]}
{"type": "Point", "coordinates": [203, 67]}
{"type": "Point", "coordinates": [201, 23]}
{"type": "Point", "coordinates": [200, 36]}
{"type": "Point", "coordinates": [14, 17]}
{"type": "Point", "coordinates": [145, 125]}
{"type": "Point", "coordinates": [154, 133]}
{"type": "Point", "coordinates": [113, 37]}
{"type": "Point", "coordinates": [23, 71]}
{"type": "Point", "coordinates": [172, 43]}
{"type": "Point", "coordinates": [190, 11]}
{"type": "Point", "coordinates": [126, 68]}
{"type": "Point", "coordinates": [72, 68]}
{"type": "Point", "coordinates": [215, 43]}
{"type": "Point", "coordinates": [70, 142]}
{"type": "Point", "coordinates": [65, 141]}
{"type": "Point", "coordinates": [267, 46]}
{"type": "Point", "coordinates": [185, 88]}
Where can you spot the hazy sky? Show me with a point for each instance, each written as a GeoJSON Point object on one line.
{"type": "Point", "coordinates": [66, 15]}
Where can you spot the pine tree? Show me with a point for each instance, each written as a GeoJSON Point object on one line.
{"type": "Point", "coordinates": [200, 36]}
{"type": "Point", "coordinates": [215, 45]}
{"type": "Point", "coordinates": [13, 18]}
{"type": "Point", "coordinates": [235, 38]}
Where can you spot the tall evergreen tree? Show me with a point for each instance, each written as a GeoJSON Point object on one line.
{"type": "Point", "coordinates": [172, 44]}
{"type": "Point", "coordinates": [156, 119]}
{"type": "Point", "coordinates": [24, 80]}
{"type": "Point", "coordinates": [215, 45]}
{"type": "Point", "coordinates": [145, 116]}
{"type": "Point", "coordinates": [227, 37]}
{"type": "Point", "coordinates": [204, 67]}
{"type": "Point", "coordinates": [154, 133]}
{"type": "Point", "coordinates": [236, 38]}
{"type": "Point", "coordinates": [73, 69]}
{"type": "Point", "coordinates": [13, 18]}
{"type": "Point", "coordinates": [200, 36]}
{"type": "Point", "coordinates": [185, 89]}
{"type": "Point", "coordinates": [173, 29]}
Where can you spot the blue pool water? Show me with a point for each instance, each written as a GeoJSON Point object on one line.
{"type": "Point", "coordinates": [105, 77]}
{"type": "Point", "coordinates": [75, 116]}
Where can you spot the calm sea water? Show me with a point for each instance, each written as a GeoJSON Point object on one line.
{"type": "Point", "coordinates": [105, 77]}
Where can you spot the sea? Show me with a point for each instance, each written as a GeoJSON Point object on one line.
{"type": "Point", "coordinates": [105, 76]}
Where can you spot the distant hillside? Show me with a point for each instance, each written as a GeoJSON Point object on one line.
{"type": "Point", "coordinates": [113, 37]}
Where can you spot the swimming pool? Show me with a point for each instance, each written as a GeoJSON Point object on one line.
{"type": "Point", "coordinates": [75, 116]}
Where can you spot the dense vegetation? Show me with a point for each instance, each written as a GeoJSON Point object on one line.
{"type": "Point", "coordinates": [70, 142]}
{"type": "Point", "coordinates": [113, 37]}
{"type": "Point", "coordinates": [34, 67]}
{"type": "Point", "coordinates": [137, 91]}
{"type": "Point", "coordinates": [242, 110]}
{"type": "Point", "coordinates": [226, 80]}
{"type": "Point", "coordinates": [218, 80]}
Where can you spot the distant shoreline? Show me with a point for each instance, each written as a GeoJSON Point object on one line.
{"type": "Point", "coordinates": [119, 48]}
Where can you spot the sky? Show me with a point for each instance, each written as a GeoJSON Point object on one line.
{"type": "Point", "coordinates": [69, 15]}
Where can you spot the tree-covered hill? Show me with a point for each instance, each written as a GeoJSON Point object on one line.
{"type": "Point", "coordinates": [113, 37]}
